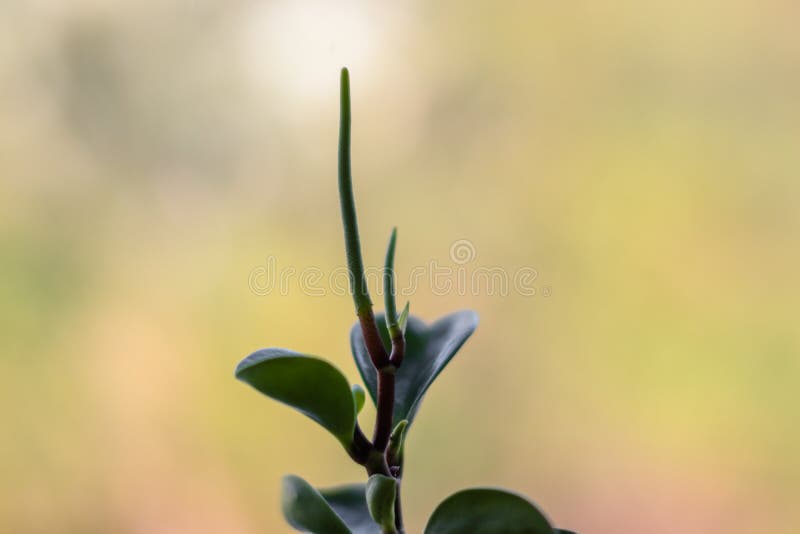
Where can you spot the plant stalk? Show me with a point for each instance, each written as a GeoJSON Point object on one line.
{"type": "Point", "coordinates": [375, 460]}
{"type": "Point", "coordinates": [383, 421]}
{"type": "Point", "coordinates": [358, 282]}
{"type": "Point", "coordinates": [361, 447]}
{"type": "Point", "coordinates": [398, 511]}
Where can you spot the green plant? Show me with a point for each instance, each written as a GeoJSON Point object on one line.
{"type": "Point", "coordinates": [398, 357]}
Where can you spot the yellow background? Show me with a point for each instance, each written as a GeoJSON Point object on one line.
{"type": "Point", "coordinates": [643, 157]}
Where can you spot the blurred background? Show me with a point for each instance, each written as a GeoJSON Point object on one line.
{"type": "Point", "coordinates": [642, 158]}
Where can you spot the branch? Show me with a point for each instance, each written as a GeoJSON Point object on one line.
{"type": "Point", "coordinates": [355, 264]}
{"type": "Point", "coordinates": [374, 459]}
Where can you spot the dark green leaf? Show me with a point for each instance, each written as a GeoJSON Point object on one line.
{"type": "Point", "coordinates": [309, 384]}
{"type": "Point", "coordinates": [562, 531]}
{"type": "Point", "coordinates": [381, 493]}
{"type": "Point", "coordinates": [307, 511]}
{"type": "Point", "coordinates": [487, 511]}
{"type": "Point", "coordinates": [428, 350]}
{"type": "Point", "coordinates": [350, 503]}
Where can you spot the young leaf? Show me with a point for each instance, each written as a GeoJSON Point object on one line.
{"type": "Point", "coordinates": [388, 285]}
{"type": "Point", "coordinates": [358, 397]}
{"type": "Point", "coordinates": [394, 452]}
{"type": "Point", "coordinates": [306, 383]}
{"type": "Point", "coordinates": [404, 318]}
{"type": "Point", "coordinates": [381, 493]}
{"type": "Point", "coordinates": [487, 511]}
{"type": "Point", "coordinates": [350, 503]}
{"type": "Point", "coordinates": [428, 350]}
{"type": "Point", "coordinates": [307, 511]}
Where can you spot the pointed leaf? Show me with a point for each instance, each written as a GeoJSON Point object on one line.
{"type": "Point", "coordinates": [307, 511]}
{"type": "Point", "coordinates": [309, 384]}
{"type": "Point", "coordinates": [404, 318]}
{"type": "Point", "coordinates": [388, 283]}
{"type": "Point", "coordinates": [487, 511]}
{"type": "Point", "coordinates": [394, 452]}
{"type": "Point", "coordinates": [428, 350]}
{"type": "Point", "coordinates": [381, 494]}
{"type": "Point", "coordinates": [350, 503]}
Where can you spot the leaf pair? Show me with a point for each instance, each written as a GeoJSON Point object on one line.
{"type": "Point", "coordinates": [337, 510]}
{"type": "Point", "coordinates": [351, 509]}
{"type": "Point", "coordinates": [319, 390]}
{"type": "Point", "coordinates": [428, 350]}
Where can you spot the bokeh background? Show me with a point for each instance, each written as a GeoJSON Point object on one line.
{"type": "Point", "coordinates": [643, 157]}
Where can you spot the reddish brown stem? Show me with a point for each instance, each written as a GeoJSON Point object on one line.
{"type": "Point", "coordinates": [372, 339]}
{"type": "Point", "coordinates": [383, 421]}
{"type": "Point", "coordinates": [398, 349]}
{"type": "Point", "coordinates": [361, 447]}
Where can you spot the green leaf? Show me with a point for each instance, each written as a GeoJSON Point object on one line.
{"type": "Point", "coordinates": [562, 531]}
{"type": "Point", "coordinates": [394, 452]}
{"type": "Point", "coordinates": [428, 350]}
{"type": "Point", "coordinates": [306, 383]}
{"type": "Point", "coordinates": [350, 503]}
{"type": "Point", "coordinates": [307, 511]}
{"type": "Point", "coordinates": [381, 494]}
{"type": "Point", "coordinates": [487, 511]}
{"type": "Point", "coordinates": [388, 284]}
{"type": "Point", "coordinates": [404, 318]}
{"type": "Point", "coordinates": [358, 397]}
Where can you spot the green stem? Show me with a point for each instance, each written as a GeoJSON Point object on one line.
{"type": "Point", "coordinates": [355, 264]}
{"type": "Point", "coordinates": [398, 510]}
{"type": "Point", "coordinates": [375, 459]}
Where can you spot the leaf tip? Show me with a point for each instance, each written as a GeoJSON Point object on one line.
{"type": "Point", "coordinates": [403, 321]}
{"type": "Point", "coordinates": [289, 487]}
